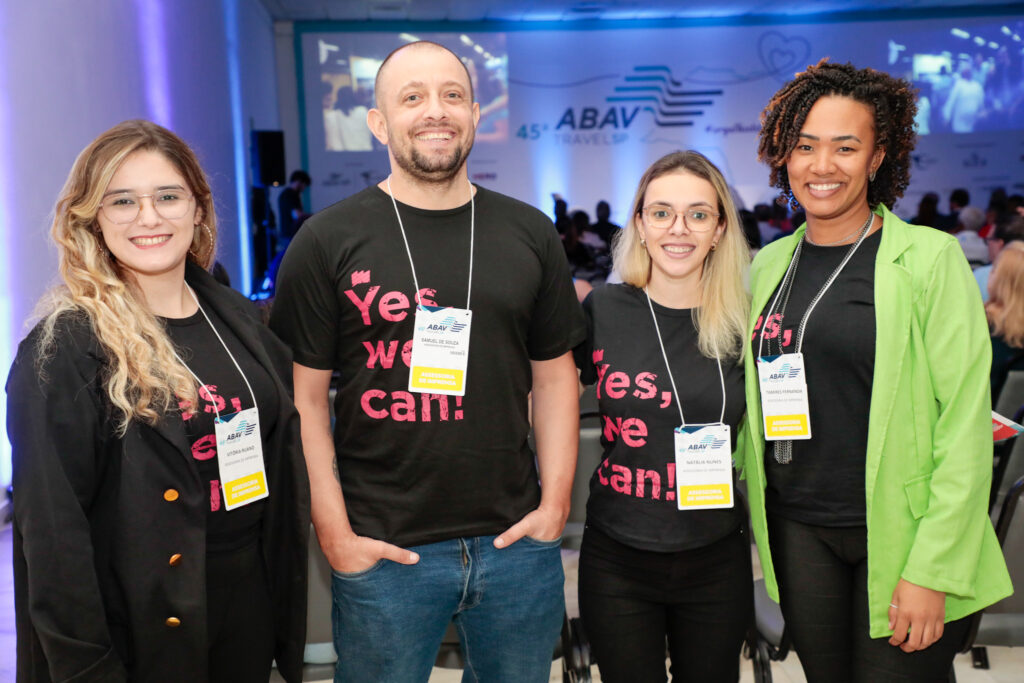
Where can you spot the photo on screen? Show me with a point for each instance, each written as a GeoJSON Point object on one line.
{"type": "Point", "coordinates": [348, 64]}
{"type": "Point", "coordinates": [969, 79]}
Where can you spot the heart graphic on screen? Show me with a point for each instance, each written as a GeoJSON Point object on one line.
{"type": "Point", "coordinates": [782, 56]}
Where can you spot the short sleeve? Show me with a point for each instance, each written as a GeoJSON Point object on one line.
{"type": "Point", "coordinates": [305, 311]}
{"type": "Point", "coordinates": [557, 324]}
{"type": "Point", "coordinates": [584, 351]}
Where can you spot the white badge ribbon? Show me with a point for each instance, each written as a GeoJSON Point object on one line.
{"type": "Point", "coordinates": [240, 464]}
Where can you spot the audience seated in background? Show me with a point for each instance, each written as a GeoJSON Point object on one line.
{"type": "Point", "coordinates": [958, 199]}
{"type": "Point", "coordinates": [750, 230]}
{"type": "Point", "coordinates": [997, 207]}
{"type": "Point", "coordinates": [581, 221]}
{"type": "Point", "coordinates": [763, 215]}
{"type": "Point", "coordinates": [1008, 229]}
{"type": "Point", "coordinates": [1005, 310]}
{"type": "Point", "coordinates": [602, 226]}
{"type": "Point", "coordinates": [561, 215]}
{"type": "Point", "coordinates": [581, 256]}
{"type": "Point", "coordinates": [928, 211]}
{"type": "Point", "coordinates": [969, 221]}
{"type": "Point", "coordinates": [780, 218]}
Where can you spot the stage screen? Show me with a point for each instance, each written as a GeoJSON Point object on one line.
{"type": "Point", "coordinates": [582, 113]}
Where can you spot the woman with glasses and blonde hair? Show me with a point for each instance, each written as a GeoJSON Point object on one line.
{"type": "Point", "coordinates": [161, 511]}
{"type": "Point", "coordinates": [664, 553]}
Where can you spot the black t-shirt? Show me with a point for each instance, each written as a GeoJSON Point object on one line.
{"type": "Point", "coordinates": [288, 201]}
{"type": "Point", "coordinates": [824, 483]}
{"type": "Point", "coordinates": [632, 492]}
{"type": "Point", "coordinates": [419, 468]}
{"type": "Point", "coordinates": [223, 390]}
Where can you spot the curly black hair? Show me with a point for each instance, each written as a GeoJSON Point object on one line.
{"type": "Point", "coordinates": [892, 99]}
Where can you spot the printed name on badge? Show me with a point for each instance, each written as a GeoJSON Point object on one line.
{"type": "Point", "coordinates": [703, 467]}
{"type": "Point", "coordinates": [784, 403]}
{"type": "Point", "coordinates": [240, 458]}
{"type": "Point", "coordinates": [440, 350]}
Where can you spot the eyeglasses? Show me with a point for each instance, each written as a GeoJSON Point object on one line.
{"type": "Point", "coordinates": [661, 216]}
{"type": "Point", "coordinates": [124, 207]}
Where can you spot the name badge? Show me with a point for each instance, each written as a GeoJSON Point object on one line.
{"type": "Point", "coordinates": [440, 350]}
{"type": "Point", "coordinates": [703, 467]}
{"type": "Point", "coordinates": [784, 405]}
{"type": "Point", "coordinates": [243, 475]}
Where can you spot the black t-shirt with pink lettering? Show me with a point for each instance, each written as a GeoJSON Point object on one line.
{"type": "Point", "coordinates": [632, 492]}
{"type": "Point", "coordinates": [223, 390]}
{"type": "Point", "coordinates": [419, 468]}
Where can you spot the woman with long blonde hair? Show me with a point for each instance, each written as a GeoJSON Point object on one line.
{"type": "Point", "coordinates": [1005, 311]}
{"type": "Point", "coordinates": [161, 506]}
{"type": "Point", "coordinates": [664, 553]}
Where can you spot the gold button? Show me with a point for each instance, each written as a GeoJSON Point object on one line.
{"type": "Point", "coordinates": [170, 495]}
{"type": "Point", "coordinates": [173, 622]}
{"type": "Point", "coordinates": [175, 559]}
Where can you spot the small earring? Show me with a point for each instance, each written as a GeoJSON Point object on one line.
{"type": "Point", "coordinates": [871, 176]}
{"type": "Point", "coordinates": [714, 245]}
{"type": "Point", "coordinates": [643, 242]}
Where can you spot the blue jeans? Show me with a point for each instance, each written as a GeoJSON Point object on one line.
{"type": "Point", "coordinates": [507, 605]}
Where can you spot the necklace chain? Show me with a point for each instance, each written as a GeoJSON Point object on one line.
{"type": "Point", "coordinates": [807, 234]}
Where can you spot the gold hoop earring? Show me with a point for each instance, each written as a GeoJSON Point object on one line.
{"type": "Point", "coordinates": [209, 233]}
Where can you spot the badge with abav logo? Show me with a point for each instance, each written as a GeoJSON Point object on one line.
{"type": "Point", "coordinates": [243, 475]}
{"type": "Point", "coordinates": [703, 467]}
{"type": "Point", "coordinates": [440, 350]}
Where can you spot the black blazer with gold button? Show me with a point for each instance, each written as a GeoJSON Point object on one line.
{"type": "Point", "coordinates": [98, 517]}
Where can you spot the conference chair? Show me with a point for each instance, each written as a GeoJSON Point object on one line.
{"type": "Point", "coordinates": [1008, 456]}
{"type": "Point", "coordinates": [1002, 624]}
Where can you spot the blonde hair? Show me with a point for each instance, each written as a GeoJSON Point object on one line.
{"type": "Point", "coordinates": [143, 378]}
{"type": "Point", "coordinates": [721, 317]}
{"type": "Point", "coordinates": [1005, 307]}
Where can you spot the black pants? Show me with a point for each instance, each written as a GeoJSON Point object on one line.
{"type": "Point", "coordinates": [239, 617]}
{"type": "Point", "coordinates": [631, 600]}
{"type": "Point", "coordinates": [823, 578]}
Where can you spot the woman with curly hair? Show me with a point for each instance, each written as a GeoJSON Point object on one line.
{"type": "Point", "coordinates": [869, 447]}
{"type": "Point", "coordinates": [161, 507]}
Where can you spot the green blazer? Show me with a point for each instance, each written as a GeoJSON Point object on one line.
{"type": "Point", "coordinates": [929, 452]}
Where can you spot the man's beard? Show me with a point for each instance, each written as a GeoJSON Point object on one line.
{"type": "Point", "coordinates": [433, 169]}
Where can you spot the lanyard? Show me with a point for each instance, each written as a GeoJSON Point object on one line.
{"type": "Point", "coordinates": [787, 287]}
{"type": "Point", "coordinates": [472, 231]}
{"type": "Point", "coordinates": [221, 340]}
{"type": "Point", "coordinates": [679, 404]}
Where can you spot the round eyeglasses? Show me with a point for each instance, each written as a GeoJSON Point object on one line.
{"type": "Point", "coordinates": [662, 216]}
{"type": "Point", "coordinates": [124, 207]}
